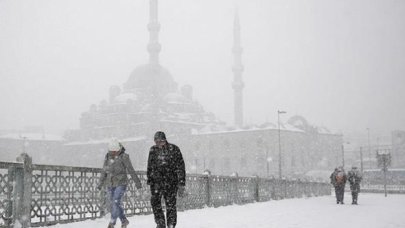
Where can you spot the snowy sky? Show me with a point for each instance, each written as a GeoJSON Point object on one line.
{"type": "Point", "coordinates": [340, 64]}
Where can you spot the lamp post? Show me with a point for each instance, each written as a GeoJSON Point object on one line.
{"type": "Point", "coordinates": [279, 143]}
{"type": "Point", "coordinates": [361, 159]}
{"type": "Point", "coordinates": [343, 155]}
{"type": "Point", "coordinates": [369, 147]}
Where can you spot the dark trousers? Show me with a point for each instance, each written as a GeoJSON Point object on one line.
{"type": "Point", "coordinates": [340, 192]}
{"type": "Point", "coordinates": [354, 196]}
{"type": "Point", "coordinates": [169, 195]}
{"type": "Point", "coordinates": [355, 192]}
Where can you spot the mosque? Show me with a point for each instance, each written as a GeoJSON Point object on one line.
{"type": "Point", "coordinates": [151, 100]}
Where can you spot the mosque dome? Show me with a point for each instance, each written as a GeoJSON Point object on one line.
{"type": "Point", "coordinates": [153, 78]}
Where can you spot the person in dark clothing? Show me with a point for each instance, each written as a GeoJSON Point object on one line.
{"type": "Point", "coordinates": [116, 168]}
{"type": "Point", "coordinates": [333, 177]}
{"type": "Point", "coordinates": [333, 182]}
{"type": "Point", "coordinates": [166, 177]}
{"type": "Point", "coordinates": [354, 177]}
{"type": "Point", "coordinates": [338, 180]}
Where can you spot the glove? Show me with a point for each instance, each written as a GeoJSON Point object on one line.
{"type": "Point", "coordinates": [181, 191]}
{"type": "Point", "coordinates": [138, 185]}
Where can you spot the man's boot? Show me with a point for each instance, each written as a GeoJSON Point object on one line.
{"type": "Point", "coordinates": [124, 223]}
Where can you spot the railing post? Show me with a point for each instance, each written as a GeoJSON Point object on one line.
{"type": "Point", "coordinates": [8, 213]}
{"type": "Point", "coordinates": [22, 192]}
{"type": "Point", "coordinates": [285, 188]}
{"type": "Point", "coordinates": [273, 189]}
{"type": "Point", "coordinates": [234, 189]}
{"type": "Point", "coordinates": [206, 180]}
{"type": "Point", "coordinates": [256, 188]}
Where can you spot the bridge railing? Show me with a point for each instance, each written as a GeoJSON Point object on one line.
{"type": "Point", "coordinates": [41, 195]}
{"type": "Point", "coordinates": [379, 188]}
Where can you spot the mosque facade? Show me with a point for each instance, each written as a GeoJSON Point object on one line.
{"type": "Point", "coordinates": [151, 100]}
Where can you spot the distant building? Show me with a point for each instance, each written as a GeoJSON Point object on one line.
{"type": "Point", "coordinates": [398, 149]}
{"type": "Point", "coordinates": [42, 147]}
{"type": "Point", "coordinates": [150, 100]}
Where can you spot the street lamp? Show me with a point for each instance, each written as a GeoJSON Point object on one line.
{"type": "Point", "coordinates": [361, 159]}
{"type": "Point", "coordinates": [369, 147]}
{"type": "Point", "coordinates": [279, 143]}
{"type": "Point", "coordinates": [343, 156]}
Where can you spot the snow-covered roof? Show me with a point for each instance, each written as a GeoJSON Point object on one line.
{"type": "Point", "coordinates": [123, 98]}
{"type": "Point", "coordinates": [323, 130]}
{"type": "Point", "coordinates": [176, 98]}
{"type": "Point", "coordinates": [32, 137]}
{"type": "Point", "coordinates": [207, 130]}
{"type": "Point", "coordinates": [105, 141]}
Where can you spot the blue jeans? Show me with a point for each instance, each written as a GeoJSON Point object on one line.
{"type": "Point", "coordinates": [117, 211]}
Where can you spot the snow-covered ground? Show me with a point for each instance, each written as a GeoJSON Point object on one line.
{"type": "Point", "coordinates": [373, 211]}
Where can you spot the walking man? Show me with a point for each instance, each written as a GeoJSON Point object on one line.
{"type": "Point", "coordinates": [355, 178]}
{"type": "Point", "coordinates": [116, 168]}
{"type": "Point", "coordinates": [339, 181]}
{"type": "Point", "coordinates": [166, 177]}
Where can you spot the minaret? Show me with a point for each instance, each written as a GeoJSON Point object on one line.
{"type": "Point", "coordinates": [237, 69]}
{"type": "Point", "coordinates": [153, 27]}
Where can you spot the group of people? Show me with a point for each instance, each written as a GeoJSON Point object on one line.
{"type": "Point", "coordinates": [166, 177]}
{"type": "Point", "coordinates": [338, 179]}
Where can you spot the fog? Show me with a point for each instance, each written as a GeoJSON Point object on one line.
{"type": "Point", "coordinates": [340, 64]}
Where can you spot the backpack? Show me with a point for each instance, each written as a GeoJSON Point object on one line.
{"type": "Point", "coordinates": [340, 178]}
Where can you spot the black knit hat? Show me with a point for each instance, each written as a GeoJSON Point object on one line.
{"type": "Point", "coordinates": [160, 135]}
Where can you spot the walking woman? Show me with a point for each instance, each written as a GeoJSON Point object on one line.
{"type": "Point", "coordinates": [116, 168]}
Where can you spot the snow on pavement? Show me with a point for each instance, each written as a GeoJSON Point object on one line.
{"type": "Point", "coordinates": [373, 211]}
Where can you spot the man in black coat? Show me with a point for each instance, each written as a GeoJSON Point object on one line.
{"type": "Point", "coordinates": [355, 178]}
{"type": "Point", "coordinates": [166, 177]}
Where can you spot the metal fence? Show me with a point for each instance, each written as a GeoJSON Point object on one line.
{"type": "Point", "coordinates": [41, 195]}
{"type": "Point", "coordinates": [379, 188]}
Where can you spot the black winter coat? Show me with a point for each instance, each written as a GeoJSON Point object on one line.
{"type": "Point", "coordinates": [355, 178]}
{"type": "Point", "coordinates": [166, 167]}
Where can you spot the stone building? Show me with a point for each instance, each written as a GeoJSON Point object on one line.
{"type": "Point", "coordinates": [151, 100]}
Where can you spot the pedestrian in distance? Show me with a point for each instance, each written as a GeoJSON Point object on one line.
{"type": "Point", "coordinates": [333, 180]}
{"type": "Point", "coordinates": [167, 178]}
{"type": "Point", "coordinates": [338, 180]}
{"type": "Point", "coordinates": [340, 183]}
{"type": "Point", "coordinates": [114, 177]}
{"type": "Point", "coordinates": [354, 177]}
